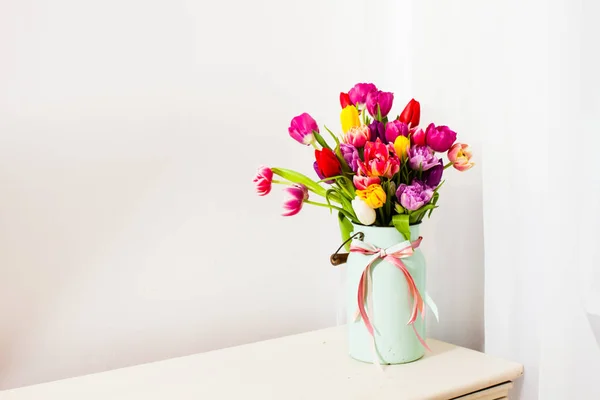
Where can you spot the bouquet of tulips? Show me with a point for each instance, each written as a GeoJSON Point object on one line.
{"type": "Point", "coordinates": [378, 171]}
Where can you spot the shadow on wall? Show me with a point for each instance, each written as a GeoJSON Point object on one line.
{"type": "Point", "coordinates": [595, 324]}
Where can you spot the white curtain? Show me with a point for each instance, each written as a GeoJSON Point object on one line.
{"type": "Point", "coordinates": [541, 193]}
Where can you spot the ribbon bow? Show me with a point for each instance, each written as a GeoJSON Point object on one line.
{"type": "Point", "coordinates": [394, 256]}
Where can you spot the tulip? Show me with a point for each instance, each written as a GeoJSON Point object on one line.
{"type": "Point", "coordinates": [433, 176]}
{"type": "Point", "coordinates": [401, 146]}
{"type": "Point", "coordinates": [358, 94]}
{"type": "Point", "coordinates": [440, 138]}
{"type": "Point", "coordinates": [349, 118]}
{"type": "Point", "coordinates": [357, 136]}
{"type": "Point", "coordinates": [378, 161]}
{"type": "Point", "coordinates": [373, 195]}
{"type": "Point", "coordinates": [363, 182]}
{"type": "Point", "coordinates": [328, 163]}
{"type": "Point", "coordinates": [377, 129]}
{"type": "Point", "coordinates": [345, 100]}
{"type": "Point", "coordinates": [297, 193]}
{"type": "Point", "coordinates": [460, 157]}
{"type": "Point", "coordinates": [379, 101]}
{"type": "Point", "coordinates": [421, 158]}
{"type": "Point", "coordinates": [418, 137]}
{"type": "Point", "coordinates": [393, 129]}
{"type": "Point", "coordinates": [411, 114]}
{"type": "Point", "coordinates": [351, 156]}
{"type": "Point", "coordinates": [302, 127]}
{"type": "Point", "coordinates": [365, 214]}
{"type": "Point", "coordinates": [414, 196]}
{"type": "Point", "coordinates": [320, 174]}
{"type": "Point", "coordinates": [263, 180]}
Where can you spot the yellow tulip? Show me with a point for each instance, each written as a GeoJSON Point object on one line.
{"type": "Point", "coordinates": [349, 118]}
{"type": "Point", "coordinates": [401, 145]}
{"type": "Point", "coordinates": [373, 195]}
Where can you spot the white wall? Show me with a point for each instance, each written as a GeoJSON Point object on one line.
{"type": "Point", "coordinates": [521, 74]}
{"type": "Point", "coordinates": [442, 80]}
{"type": "Point", "coordinates": [129, 134]}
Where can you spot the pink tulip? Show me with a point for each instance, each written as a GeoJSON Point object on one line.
{"type": "Point", "coordinates": [460, 156]}
{"type": "Point", "coordinates": [263, 180]}
{"type": "Point", "coordinates": [378, 161]}
{"type": "Point", "coordinates": [358, 94]}
{"type": "Point", "coordinates": [302, 127]}
{"type": "Point", "coordinates": [418, 137]}
{"type": "Point", "coordinates": [357, 136]}
{"type": "Point", "coordinates": [363, 182]}
{"type": "Point", "coordinates": [297, 194]}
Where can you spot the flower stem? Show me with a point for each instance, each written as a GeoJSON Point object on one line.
{"type": "Point", "coordinates": [314, 203]}
{"type": "Point", "coordinates": [380, 209]}
{"type": "Point", "coordinates": [448, 165]}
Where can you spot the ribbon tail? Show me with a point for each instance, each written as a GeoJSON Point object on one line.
{"type": "Point", "coordinates": [432, 306]}
{"type": "Point", "coordinates": [361, 302]}
{"type": "Point", "coordinates": [423, 343]}
{"type": "Point", "coordinates": [412, 288]}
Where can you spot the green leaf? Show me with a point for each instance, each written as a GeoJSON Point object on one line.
{"type": "Point", "coordinates": [439, 186]}
{"type": "Point", "coordinates": [297, 177]}
{"type": "Point", "coordinates": [337, 141]}
{"type": "Point", "coordinates": [346, 229]}
{"type": "Point", "coordinates": [434, 201]}
{"type": "Point", "coordinates": [399, 209]}
{"type": "Point", "coordinates": [320, 140]}
{"type": "Point", "coordinates": [401, 223]}
{"type": "Point", "coordinates": [332, 194]}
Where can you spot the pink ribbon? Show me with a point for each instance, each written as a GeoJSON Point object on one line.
{"type": "Point", "coordinates": [394, 256]}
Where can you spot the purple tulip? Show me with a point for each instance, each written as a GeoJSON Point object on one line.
{"type": "Point", "coordinates": [358, 94]}
{"type": "Point", "coordinates": [393, 129]}
{"type": "Point", "coordinates": [377, 131]}
{"type": "Point", "coordinates": [414, 196]}
{"type": "Point", "coordinates": [379, 100]}
{"type": "Point", "coordinates": [440, 138]}
{"type": "Point", "coordinates": [350, 154]}
{"type": "Point", "coordinates": [433, 176]}
{"type": "Point", "coordinates": [422, 158]}
{"type": "Point", "coordinates": [320, 174]}
{"type": "Point", "coordinates": [302, 127]}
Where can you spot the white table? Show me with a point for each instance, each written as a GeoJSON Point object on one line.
{"type": "Point", "coordinates": [312, 365]}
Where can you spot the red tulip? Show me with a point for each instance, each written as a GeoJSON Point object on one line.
{"type": "Point", "coordinates": [411, 115]}
{"type": "Point", "coordinates": [345, 100]}
{"type": "Point", "coordinates": [328, 163]}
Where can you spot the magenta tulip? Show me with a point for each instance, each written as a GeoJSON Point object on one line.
{"type": "Point", "coordinates": [358, 94]}
{"type": "Point", "coordinates": [393, 129]}
{"type": "Point", "coordinates": [440, 138]}
{"type": "Point", "coordinates": [302, 127]}
{"type": "Point", "coordinates": [381, 101]}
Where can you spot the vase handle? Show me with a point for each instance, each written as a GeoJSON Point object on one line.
{"type": "Point", "coordinates": [338, 258]}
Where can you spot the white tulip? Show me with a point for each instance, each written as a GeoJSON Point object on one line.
{"type": "Point", "coordinates": [365, 214]}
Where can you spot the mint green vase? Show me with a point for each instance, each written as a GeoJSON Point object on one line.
{"type": "Point", "coordinates": [395, 341]}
